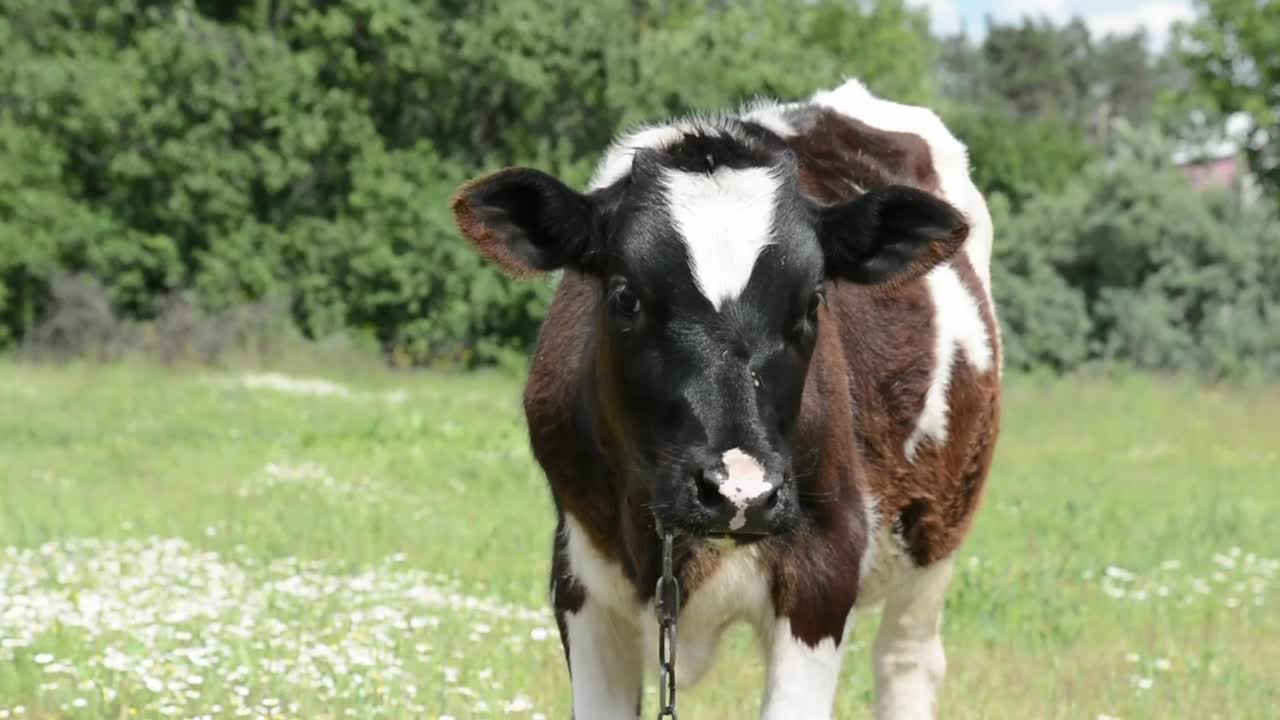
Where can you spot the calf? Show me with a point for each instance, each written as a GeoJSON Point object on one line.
{"type": "Point", "coordinates": [774, 337]}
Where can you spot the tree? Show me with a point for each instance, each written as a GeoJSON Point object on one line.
{"type": "Point", "coordinates": [242, 149]}
{"type": "Point", "coordinates": [1234, 50]}
{"type": "Point", "coordinates": [1038, 71]}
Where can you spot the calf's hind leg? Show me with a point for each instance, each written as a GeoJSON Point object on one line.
{"type": "Point", "coordinates": [908, 656]}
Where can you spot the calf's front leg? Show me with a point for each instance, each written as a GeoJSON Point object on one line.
{"type": "Point", "coordinates": [603, 648]}
{"type": "Point", "coordinates": [804, 667]}
{"type": "Point", "coordinates": [605, 666]}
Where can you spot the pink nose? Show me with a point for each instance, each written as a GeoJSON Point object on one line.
{"type": "Point", "coordinates": [736, 489]}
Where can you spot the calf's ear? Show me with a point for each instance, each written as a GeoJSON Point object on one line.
{"type": "Point", "coordinates": [526, 222]}
{"type": "Point", "coordinates": [889, 235]}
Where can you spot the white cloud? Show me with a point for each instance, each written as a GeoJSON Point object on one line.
{"type": "Point", "coordinates": [1056, 10]}
{"type": "Point", "coordinates": [944, 15]}
{"type": "Point", "coordinates": [1156, 17]}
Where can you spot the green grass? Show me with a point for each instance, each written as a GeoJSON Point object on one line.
{"type": "Point", "coordinates": [358, 557]}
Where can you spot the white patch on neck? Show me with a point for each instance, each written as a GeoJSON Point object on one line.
{"type": "Point", "coordinates": [738, 589]}
{"type": "Point", "coordinates": [602, 578]}
{"type": "Point", "coordinates": [725, 219]}
{"type": "Point", "coordinates": [746, 483]}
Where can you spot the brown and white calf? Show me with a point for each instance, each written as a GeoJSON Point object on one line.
{"type": "Point", "coordinates": [774, 335]}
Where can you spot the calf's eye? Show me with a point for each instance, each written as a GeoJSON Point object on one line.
{"type": "Point", "coordinates": [624, 301]}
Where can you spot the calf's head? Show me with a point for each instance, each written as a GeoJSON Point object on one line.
{"type": "Point", "coordinates": [712, 267]}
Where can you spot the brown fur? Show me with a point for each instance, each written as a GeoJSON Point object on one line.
{"type": "Point", "coordinates": [485, 240]}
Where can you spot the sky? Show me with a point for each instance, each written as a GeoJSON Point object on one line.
{"type": "Point", "coordinates": [1102, 16]}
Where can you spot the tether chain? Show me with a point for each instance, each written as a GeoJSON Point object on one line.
{"type": "Point", "coordinates": [666, 602]}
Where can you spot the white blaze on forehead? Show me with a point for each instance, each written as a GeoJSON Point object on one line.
{"type": "Point", "coordinates": [725, 219]}
{"type": "Point", "coordinates": [745, 483]}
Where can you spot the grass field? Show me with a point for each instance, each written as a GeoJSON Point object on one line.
{"type": "Point", "coordinates": [182, 545]}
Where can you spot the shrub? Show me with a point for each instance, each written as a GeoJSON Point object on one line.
{"type": "Point", "coordinates": [238, 150]}
{"type": "Point", "coordinates": [1131, 263]}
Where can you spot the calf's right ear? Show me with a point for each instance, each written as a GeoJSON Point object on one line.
{"type": "Point", "coordinates": [526, 222]}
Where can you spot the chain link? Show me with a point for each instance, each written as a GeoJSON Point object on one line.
{"type": "Point", "coordinates": [666, 603]}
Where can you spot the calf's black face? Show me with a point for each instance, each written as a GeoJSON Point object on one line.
{"type": "Point", "coordinates": [712, 266]}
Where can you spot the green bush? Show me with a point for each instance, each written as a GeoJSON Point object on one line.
{"type": "Point", "coordinates": [1130, 263]}
{"type": "Point", "coordinates": [1019, 158]}
{"type": "Point", "coordinates": [245, 149]}
{"type": "Point", "coordinates": [228, 152]}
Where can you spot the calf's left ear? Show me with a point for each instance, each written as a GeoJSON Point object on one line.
{"type": "Point", "coordinates": [889, 235]}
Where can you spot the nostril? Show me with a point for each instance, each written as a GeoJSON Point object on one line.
{"type": "Point", "coordinates": [709, 495]}
{"type": "Point", "coordinates": [775, 496]}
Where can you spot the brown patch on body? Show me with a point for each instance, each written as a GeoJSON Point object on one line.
{"type": "Point", "coordinates": [887, 334]}
{"type": "Point", "coordinates": [815, 572]}
{"type": "Point", "coordinates": [931, 501]}
{"type": "Point", "coordinates": [841, 158]}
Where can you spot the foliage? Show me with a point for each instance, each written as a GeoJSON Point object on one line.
{"type": "Point", "coordinates": [195, 158]}
{"type": "Point", "coordinates": [1019, 159]}
{"type": "Point", "coordinates": [1037, 71]}
{"type": "Point", "coordinates": [246, 149]}
{"type": "Point", "coordinates": [1129, 262]}
{"type": "Point", "coordinates": [1232, 51]}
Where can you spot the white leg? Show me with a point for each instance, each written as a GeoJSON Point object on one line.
{"type": "Point", "coordinates": [801, 681]}
{"type": "Point", "coordinates": [604, 664]}
{"type": "Point", "coordinates": [909, 660]}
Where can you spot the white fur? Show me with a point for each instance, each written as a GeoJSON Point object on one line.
{"type": "Point", "coordinates": [605, 664]}
{"type": "Point", "coordinates": [801, 679]}
{"type": "Point", "coordinates": [909, 661]}
{"type": "Point", "coordinates": [616, 163]}
{"type": "Point", "coordinates": [958, 324]}
{"type": "Point", "coordinates": [745, 483]}
{"type": "Point", "coordinates": [724, 218]}
{"type": "Point", "coordinates": [769, 114]}
{"type": "Point", "coordinates": [885, 561]}
{"type": "Point", "coordinates": [871, 553]}
{"type": "Point", "coordinates": [737, 591]}
{"type": "Point", "coordinates": [603, 579]}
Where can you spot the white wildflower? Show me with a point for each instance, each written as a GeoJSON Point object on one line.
{"type": "Point", "coordinates": [1118, 573]}
{"type": "Point", "coordinates": [519, 703]}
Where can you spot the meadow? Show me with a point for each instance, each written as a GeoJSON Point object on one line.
{"type": "Point", "coordinates": [375, 545]}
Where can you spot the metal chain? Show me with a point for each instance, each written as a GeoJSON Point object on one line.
{"type": "Point", "coordinates": [666, 602]}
